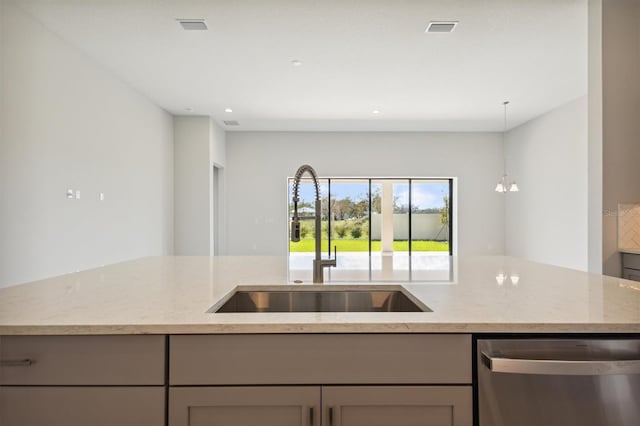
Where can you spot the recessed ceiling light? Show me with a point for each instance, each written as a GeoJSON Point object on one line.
{"type": "Point", "coordinates": [296, 63]}
{"type": "Point", "coordinates": [189, 109]}
{"type": "Point", "coordinates": [231, 123]}
{"type": "Point", "coordinates": [441, 26]}
{"type": "Point", "coordinates": [193, 24]}
{"type": "Point", "coordinates": [375, 111]}
{"type": "Point", "coordinates": [228, 110]}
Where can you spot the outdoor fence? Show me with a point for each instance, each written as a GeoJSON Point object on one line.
{"type": "Point", "coordinates": [424, 226]}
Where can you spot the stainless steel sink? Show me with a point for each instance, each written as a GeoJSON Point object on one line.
{"type": "Point", "coordinates": [325, 299]}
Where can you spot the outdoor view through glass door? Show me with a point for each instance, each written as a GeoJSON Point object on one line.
{"type": "Point", "coordinates": [383, 228]}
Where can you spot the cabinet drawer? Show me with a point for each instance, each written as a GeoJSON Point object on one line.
{"type": "Point", "coordinates": [82, 406]}
{"type": "Point", "coordinates": [82, 360]}
{"type": "Point", "coordinates": [320, 358]}
{"type": "Point", "coordinates": [631, 274]}
{"type": "Point", "coordinates": [631, 260]}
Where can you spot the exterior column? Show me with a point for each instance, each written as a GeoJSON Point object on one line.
{"type": "Point", "coordinates": [387, 218]}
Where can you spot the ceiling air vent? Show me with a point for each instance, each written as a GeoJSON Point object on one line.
{"type": "Point", "coordinates": [441, 26]}
{"type": "Point", "coordinates": [193, 24]}
{"type": "Point", "coordinates": [231, 122]}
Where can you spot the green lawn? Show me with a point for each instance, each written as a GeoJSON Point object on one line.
{"type": "Point", "coordinates": [308, 245]}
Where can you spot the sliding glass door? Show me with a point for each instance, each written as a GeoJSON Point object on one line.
{"type": "Point", "coordinates": [374, 215]}
{"type": "Point", "coordinates": [385, 229]}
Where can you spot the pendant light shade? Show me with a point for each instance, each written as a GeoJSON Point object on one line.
{"type": "Point", "coordinates": [504, 185]}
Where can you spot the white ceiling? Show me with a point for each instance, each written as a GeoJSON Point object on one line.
{"type": "Point", "coordinates": [357, 56]}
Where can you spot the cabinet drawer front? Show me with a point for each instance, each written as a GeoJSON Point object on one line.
{"type": "Point", "coordinates": [631, 260]}
{"type": "Point", "coordinates": [318, 358]}
{"type": "Point", "coordinates": [82, 406]}
{"type": "Point", "coordinates": [82, 360]}
{"type": "Point", "coordinates": [631, 274]}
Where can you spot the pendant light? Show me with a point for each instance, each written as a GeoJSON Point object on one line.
{"type": "Point", "coordinates": [504, 185]}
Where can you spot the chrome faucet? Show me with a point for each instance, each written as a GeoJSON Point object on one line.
{"type": "Point", "coordinates": [318, 263]}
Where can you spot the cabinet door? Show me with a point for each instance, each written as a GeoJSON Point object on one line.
{"type": "Point", "coordinates": [81, 406]}
{"type": "Point", "coordinates": [245, 406]}
{"type": "Point", "coordinates": [397, 406]}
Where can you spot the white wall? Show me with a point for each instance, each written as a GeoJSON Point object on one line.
{"type": "Point", "coordinates": [199, 144]}
{"type": "Point", "coordinates": [258, 164]}
{"type": "Point", "coordinates": [621, 119]}
{"type": "Point", "coordinates": [547, 220]}
{"type": "Point", "coordinates": [70, 124]}
{"type": "Point", "coordinates": [217, 218]}
{"type": "Point", "coordinates": [191, 171]}
{"type": "Point", "coordinates": [2, 96]}
{"type": "Point", "coordinates": [595, 137]}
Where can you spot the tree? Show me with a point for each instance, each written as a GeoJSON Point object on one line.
{"type": "Point", "coordinates": [376, 201]}
{"type": "Point", "coordinates": [341, 230]}
{"type": "Point", "coordinates": [356, 232]}
{"type": "Point", "coordinates": [360, 208]}
{"type": "Point", "coordinates": [444, 211]}
{"type": "Point", "coordinates": [324, 207]}
{"type": "Point", "coordinates": [341, 209]}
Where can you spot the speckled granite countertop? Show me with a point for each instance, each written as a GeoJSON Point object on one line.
{"type": "Point", "coordinates": [170, 295]}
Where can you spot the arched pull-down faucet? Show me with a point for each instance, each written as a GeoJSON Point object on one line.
{"type": "Point", "coordinates": [318, 263]}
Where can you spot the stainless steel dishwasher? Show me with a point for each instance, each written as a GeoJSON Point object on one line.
{"type": "Point", "coordinates": [556, 382]}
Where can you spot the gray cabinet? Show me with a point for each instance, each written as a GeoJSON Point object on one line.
{"type": "Point", "coordinates": [236, 380]}
{"type": "Point", "coordinates": [631, 266]}
{"type": "Point", "coordinates": [82, 380]}
{"type": "Point", "coordinates": [397, 406]}
{"type": "Point", "coordinates": [81, 406]}
{"type": "Point", "coordinates": [287, 359]}
{"type": "Point", "coordinates": [245, 406]}
{"type": "Point", "coordinates": [321, 405]}
{"type": "Point", "coordinates": [320, 380]}
{"type": "Point", "coordinates": [82, 360]}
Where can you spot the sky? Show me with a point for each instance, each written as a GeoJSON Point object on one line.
{"type": "Point", "coordinates": [425, 194]}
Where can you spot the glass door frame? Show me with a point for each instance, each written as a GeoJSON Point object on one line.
{"type": "Point", "coordinates": [410, 180]}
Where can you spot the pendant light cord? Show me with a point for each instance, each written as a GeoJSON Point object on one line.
{"type": "Point", "coordinates": [504, 141]}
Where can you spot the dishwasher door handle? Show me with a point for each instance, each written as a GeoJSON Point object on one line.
{"type": "Point", "coordinates": [557, 367]}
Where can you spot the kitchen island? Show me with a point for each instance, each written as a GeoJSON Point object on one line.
{"type": "Point", "coordinates": [133, 343]}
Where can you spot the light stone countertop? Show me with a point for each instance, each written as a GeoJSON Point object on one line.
{"type": "Point", "coordinates": [170, 295]}
{"type": "Point", "coordinates": [629, 250]}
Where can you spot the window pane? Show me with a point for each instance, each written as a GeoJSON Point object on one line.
{"type": "Point", "coordinates": [350, 229]}
{"type": "Point", "coordinates": [376, 216]}
{"type": "Point", "coordinates": [429, 216]}
{"type": "Point", "coordinates": [350, 215]}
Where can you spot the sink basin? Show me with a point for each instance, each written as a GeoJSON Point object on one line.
{"type": "Point", "coordinates": [325, 299]}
